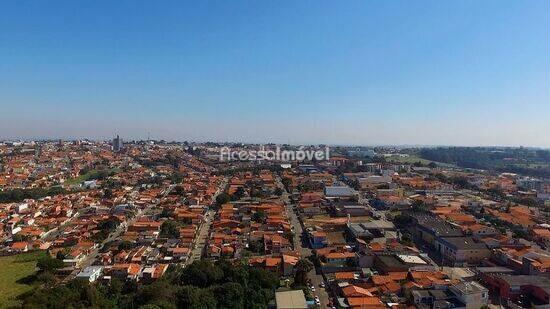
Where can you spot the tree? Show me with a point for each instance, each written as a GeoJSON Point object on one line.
{"type": "Point", "coordinates": [402, 220]}
{"type": "Point", "coordinates": [178, 190]}
{"type": "Point", "coordinates": [125, 245]}
{"type": "Point", "coordinates": [201, 285]}
{"type": "Point", "coordinates": [232, 295]}
{"type": "Point", "coordinates": [201, 274]}
{"type": "Point", "coordinates": [239, 193]}
{"type": "Point", "coordinates": [161, 293]}
{"type": "Point", "coordinates": [303, 267]}
{"type": "Point", "coordinates": [166, 213]}
{"type": "Point", "coordinates": [223, 198]}
{"type": "Point", "coordinates": [169, 229]}
{"type": "Point", "coordinates": [46, 278]}
{"type": "Point", "coordinates": [287, 182]}
{"type": "Point", "coordinates": [107, 193]}
{"type": "Point", "coordinates": [278, 191]}
{"type": "Point", "coordinates": [259, 216]}
{"type": "Point", "coordinates": [176, 178]}
{"type": "Point", "coordinates": [61, 254]}
{"type": "Point", "coordinates": [109, 224]}
{"type": "Point", "coordinates": [187, 296]}
{"type": "Point", "coordinates": [419, 206]}
{"type": "Point", "coordinates": [48, 263]}
{"type": "Point", "coordinates": [520, 233]}
{"type": "Point", "coordinates": [406, 239]}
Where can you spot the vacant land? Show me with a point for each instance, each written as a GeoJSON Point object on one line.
{"type": "Point", "coordinates": [92, 175]}
{"type": "Point", "coordinates": [12, 270]}
{"type": "Point", "coordinates": [410, 159]}
{"type": "Point", "coordinates": [525, 161]}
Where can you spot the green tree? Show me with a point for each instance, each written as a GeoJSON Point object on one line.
{"type": "Point", "coordinates": [278, 191]}
{"type": "Point", "coordinates": [287, 182]}
{"type": "Point", "coordinates": [48, 263]}
{"type": "Point", "coordinates": [107, 193]}
{"type": "Point", "coordinates": [231, 295]}
{"type": "Point", "coordinates": [303, 267]}
{"type": "Point", "coordinates": [419, 206]}
{"type": "Point", "coordinates": [196, 298]}
{"type": "Point", "coordinates": [259, 216]}
{"type": "Point", "coordinates": [201, 274]}
{"type": "Point", "coordinates": [169, 229]}
{"type": "Point", "coordinates": [239, 193]}
{"type": "Point", "coordinates": [223, 198]}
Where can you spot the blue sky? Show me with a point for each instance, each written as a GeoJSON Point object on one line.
{"type": "Point", "coordinates": [353, 72]}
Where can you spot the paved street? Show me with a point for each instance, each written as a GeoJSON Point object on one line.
{"type": "Point", "coordinates": [200, 240]}
{"type": "Point", "coordinates": [300, 243]}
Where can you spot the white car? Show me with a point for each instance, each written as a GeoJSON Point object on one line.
{"type": "Point", "coordinates": [312, 288]}
{"type": "Point", "coordinates": [322, 284]}
{"type": "Point", "coordinates": [317, 300]}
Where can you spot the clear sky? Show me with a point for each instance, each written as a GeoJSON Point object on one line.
{"type": "Point", "coordinates": [345, 72]}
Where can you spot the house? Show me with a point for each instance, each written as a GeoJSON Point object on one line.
{"type": "Point", "coordinates": [473, 294]}
{"type": "Point", "coordinates": [514, 287]}
{"type": "Point", "coordinates": [480, 231]}
{"type": "Point", "coordinates": [388, 263]}
{"type": "Point", "coordinates": [429, 228]}
{"type": "Point", "coordinates": [289, 262]}
{"type": "Point", "coordinates": [351, 210]}
{"type": "Point", "coordinates": [422, 297]}
{"type": "Point", "coordinates": [374, 181]}
{"type": "Point", "coordinates": [344, 192]}
{"type": "Point", "coordinates": [126, 271]}
{"type": "Point", "coordinates": [90, 273]}
{"type": "Point", "coordinates": [20, 246]}
{"type": "Point", "coordinates": [355, 291]}
{"type": "Point", "coordinates": [150, 274]}
{"type": "Point", "coordinates": [461, 250]}
{"type": "Point", "coordinates": [339, 259]}
{"type": "Point", "coordinates": [318, 239]}
{"type": "Point", "coordinates": [365, 302]}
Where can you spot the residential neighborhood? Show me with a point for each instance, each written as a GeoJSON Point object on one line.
{"type": "Point", "coordinates": [348, 232]}
{"type": "Point", "coordinates": [274, 154]}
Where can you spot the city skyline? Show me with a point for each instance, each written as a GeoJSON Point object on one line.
{"type": "Point", "coordinates": [400, 73]}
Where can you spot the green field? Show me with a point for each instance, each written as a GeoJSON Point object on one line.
{"type": "Point", "coordinates": [90, 175]}
{"type": "Point", "coordinates": [410, 159]}
{"type": "Point", "coordinates": [13, 269]}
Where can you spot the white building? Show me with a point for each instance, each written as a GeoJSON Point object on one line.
{"type": "Point", "coordinates": [90, 273]}
{"type": "Point", "coordinates": [471, 293]}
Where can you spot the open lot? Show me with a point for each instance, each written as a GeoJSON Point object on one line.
{"type": "Point", "coordinates": [12, 270]}
{"type": "Point", "coordinates": [90, 175]}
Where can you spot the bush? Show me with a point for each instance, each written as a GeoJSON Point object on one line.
{"type": "Point", "coordinates": [223, 198]}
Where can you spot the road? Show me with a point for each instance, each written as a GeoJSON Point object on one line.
{"type": "Point", "coordinates": [200, 240]}
{"type": "Point", "coordinates": [301, 245]}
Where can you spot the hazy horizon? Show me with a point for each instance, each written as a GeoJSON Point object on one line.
{"type": "Point", "coordinates": [462, 73]}
{"type": "Point", "coordinates": [182, 140]}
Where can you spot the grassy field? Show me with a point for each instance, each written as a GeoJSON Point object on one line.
{"type": "Point", "coordinates": [409, 159]}
{"type": "Point", "coordinates": [13, 269]}
{"type": "Point", "coordinates": [93, 174]}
